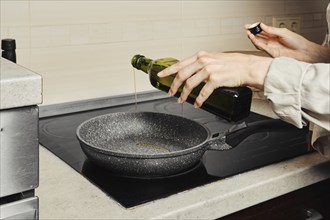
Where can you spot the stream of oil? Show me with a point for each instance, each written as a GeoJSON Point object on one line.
{"type": "Point", "coordinates": [181, 45]}
{"type": "Point", "coordinates": [134, 72]}
{"type": "Point", "coordinates": [135, 94]}
{"type": "Point", "coordinates": [135, 91]}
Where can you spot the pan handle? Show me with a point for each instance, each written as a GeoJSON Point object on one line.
{"type": "Point", "coordinates": [235, 137]}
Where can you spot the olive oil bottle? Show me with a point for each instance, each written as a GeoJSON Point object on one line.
{"type": "Point", "coordinates": [231, 104]}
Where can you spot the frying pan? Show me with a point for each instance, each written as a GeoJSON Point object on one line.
{"type": "Point", "coordinates": [149, 144]}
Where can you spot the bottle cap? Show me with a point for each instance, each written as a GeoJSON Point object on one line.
{"type": "Point", "coordinates": [8, 44]}
{"type": "Point", "coordinates": [255, 28]}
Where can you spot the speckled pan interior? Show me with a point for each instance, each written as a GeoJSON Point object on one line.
{"type": "Point", "coordinates": [142, 134]}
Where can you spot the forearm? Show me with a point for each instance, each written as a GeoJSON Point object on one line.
{"type": "Point", "coordinates": [257, 71]}
{"type": "Point", "coordinates": [317, 53]}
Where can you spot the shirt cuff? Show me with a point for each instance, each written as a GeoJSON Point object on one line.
{"type": "Point", "coordinates": [282, 88]}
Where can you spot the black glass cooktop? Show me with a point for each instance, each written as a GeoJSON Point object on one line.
{"type": "Point", "coordinates": [57, 134]}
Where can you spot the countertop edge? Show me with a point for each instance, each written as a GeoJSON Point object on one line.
{"type": "Point", "coordinates": [254, 194]}
{"type": "Point", "coordinates": [59, 200]}
{"type": "Point", "coordinates": [19, 86]}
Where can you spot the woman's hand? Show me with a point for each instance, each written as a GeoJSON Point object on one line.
{"type": "Point", "coordinates": [216, 70]}
{"type": "Point", "coordinates": [279, 42]}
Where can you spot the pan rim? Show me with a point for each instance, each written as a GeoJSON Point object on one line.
{"type": "Point", "coordinates": [201, 146]}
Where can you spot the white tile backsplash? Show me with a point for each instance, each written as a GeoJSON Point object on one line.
{"type": "Point", "coordinates": [98, 33]}
{"type": "Point", "coordinates": [164, 29]}
{"type": "Point", "coordinates": [82, 48]}
{"type": "Point", "coordinates": [228, 8]}
{"type": "Point", "coordinates": [4, 32]}
{"type": "Point", "coordinates": [115, 32]}
{"type": "Point", "coordinates": [41, 36]}
{"type": "Point", "coordinates": [79, 34]}
{"type": "Point", "coordinates": [15, 13]}
{"type": "Point", "coordinates": [318, 16]}
{"type": "Point", "coordinates": [305, 6]}
{"type": "Point", "coordinates": [214, 26]}
{"type": "Point", "coordinates": [59, 35]}
{"type": "Point", "coordinates": [21, 34]}
{"type": "Point", "coordinates": [100, 11]}
{"type": "Point", "coordinates": [216, 43]}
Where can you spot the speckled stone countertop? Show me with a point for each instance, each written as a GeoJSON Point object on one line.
{"type": "Point", "coordinates": [65, 194]}
{"type": "Point", "coordinates": [18, 86]}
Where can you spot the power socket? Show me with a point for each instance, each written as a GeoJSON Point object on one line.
{"type": "Point", "coordinates": [291, 23]}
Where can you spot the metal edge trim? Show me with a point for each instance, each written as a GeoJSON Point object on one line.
{"type": "Point", "coordinates": [103, 102]}
{"type": "Point", "coordinates": [20, 207]}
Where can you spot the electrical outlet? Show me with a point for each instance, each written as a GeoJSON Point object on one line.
{"type": "Point", "coordinates": [291, 23]}
{"type": "Point", "coordinates": [294, 24]}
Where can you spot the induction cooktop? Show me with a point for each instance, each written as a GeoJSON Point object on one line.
{"type": "Point", "coordinates": [57, 133]}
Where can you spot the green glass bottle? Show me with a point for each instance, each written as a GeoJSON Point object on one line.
{"type": "Point", "coordinates": [232, 104]}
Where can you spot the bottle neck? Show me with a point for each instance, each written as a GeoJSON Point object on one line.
{"type": "Point", "coordinates": [144, 63]}
{"type": "Point", "coordinates": [141, 63]}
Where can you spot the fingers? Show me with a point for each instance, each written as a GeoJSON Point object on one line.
{"type": "Point", "coordinates": [180, 78]}
{"type": "Point", "coordinates": [190, 84]}
{"type": "Point", "coordinates": [185, 73]}
{"type": "Point", "coordinates": [256, 39]}
{"type": "Point", "coordinates": [247, 26]}
{"type": "Point", "coordinates": [205, 92]}
{"type": "Point", "coordinates": [176, 67]}
{"type": "Point", "coordinates": [202, 67]}
{"type": "Point", "coordinates": [185, 69]}
{"type": "Point", "coordinates": [209, 74]}
{"type": "Point", "coordinates": [273, 31]}
{"type": "Point", "coordinates": [269, 31]}
{"type": "Point", "coordinates": [257, 43]}
{"type": "Point", "coordinates": [261, 43]}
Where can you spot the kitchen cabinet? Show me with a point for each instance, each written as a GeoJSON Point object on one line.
{"type": "Point", "coordinates": [19, 150]}
{"type": "Point", "coordinates": [311, 202]}
{"type": "Point", "coordinates": [20, 91]}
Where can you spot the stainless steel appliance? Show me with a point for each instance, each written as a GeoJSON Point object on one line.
{"type": "Point", "coordinates": [58, 126]}
{"type": "Point", "coordinates": [19, 160]}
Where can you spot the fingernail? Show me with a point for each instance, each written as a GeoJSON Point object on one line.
{"type": "Point", "coordinates": [160, 73]}
{"type": "Point", "coordinates": [180, 100]}
{"type": "Point", "coordinates": [170, 93]}
{"type": "Point", "coordinates": [195, 105]}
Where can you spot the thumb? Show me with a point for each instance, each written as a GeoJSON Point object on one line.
{"type": "Point", "coordinates": [247, 26]}
{"type": "Point", "coordinates": [279, 32]}
{"type": "Point", "coordinates": [261, 44]}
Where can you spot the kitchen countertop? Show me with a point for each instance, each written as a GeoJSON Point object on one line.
{"type": "Point", "coordinates": [65, 194]}
{"type": "Point", "coordinates": [18, 86]}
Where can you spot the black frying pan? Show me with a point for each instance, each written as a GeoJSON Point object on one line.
{"type": "Point", "coordinates": [148, 144]}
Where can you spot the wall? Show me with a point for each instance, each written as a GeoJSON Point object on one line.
{"type": "Point", "coordinates": [83, 48]}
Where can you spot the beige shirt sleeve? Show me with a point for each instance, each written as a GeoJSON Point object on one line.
{"type": "Point", "coordinates": [326, 41]}
{"type": "Point", "coordinates": [300, 92]}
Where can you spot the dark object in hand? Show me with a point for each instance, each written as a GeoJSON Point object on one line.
{"type": "Point", "coordinates": [255, 28]}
